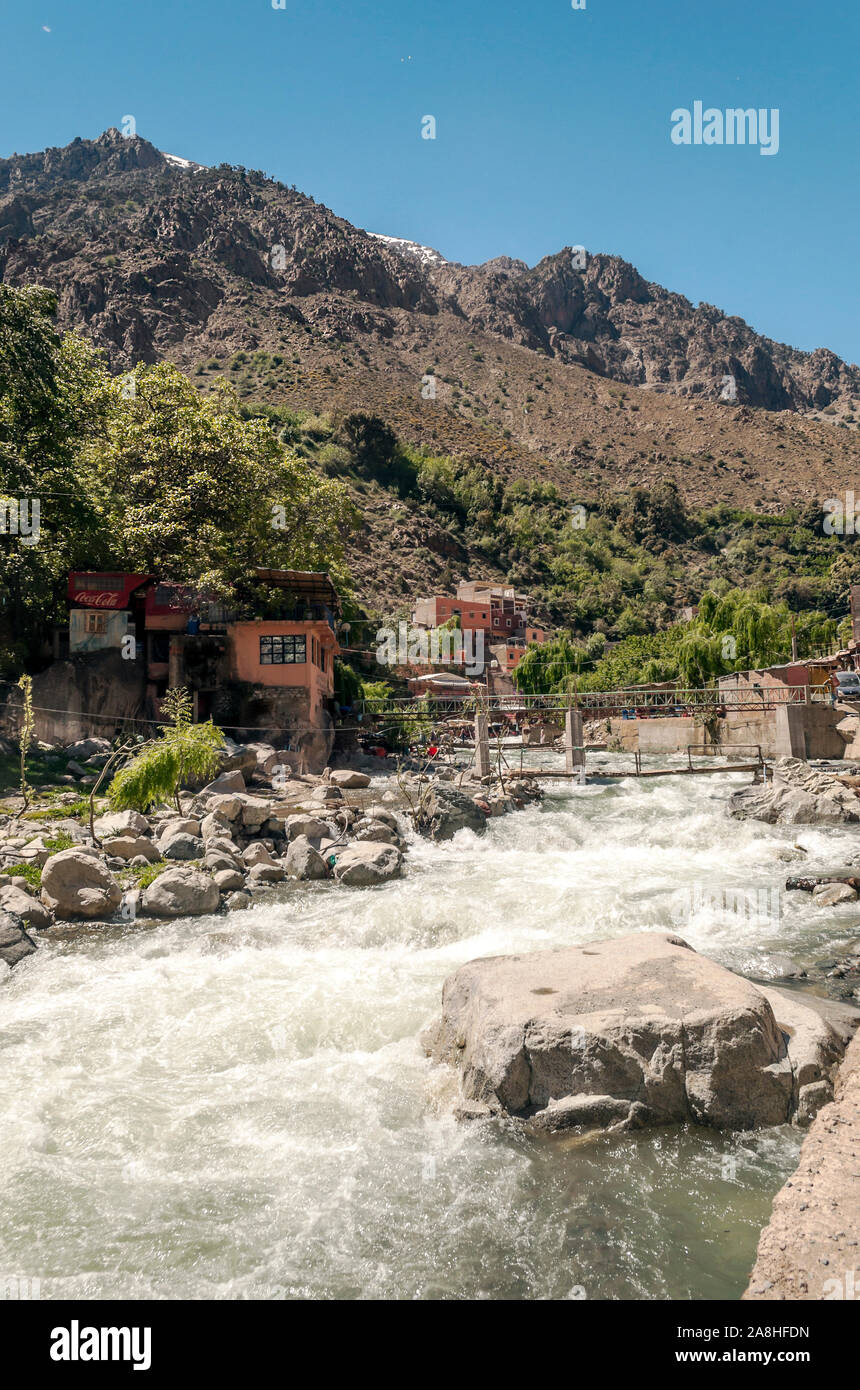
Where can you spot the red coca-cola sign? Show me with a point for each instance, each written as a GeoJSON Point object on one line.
{"type": "Point", "coordinates": [106, 590]}
{"type": "Point", "coordinates": [95, 600]}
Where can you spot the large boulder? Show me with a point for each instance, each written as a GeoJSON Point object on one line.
{"type": "Point", "coordinates": [809, 1249]}
{"type": "Point", "coordinates": [228, 880]}
{"type": "Point", "coordinates": [797, 794]}
{"type": "Point", "coordinates": [237, 757]}
{"type": "Point", "coordinates": [227, 806]}
{"type": "Point", "coordinates": [256, 853]}
{"type": "Point", "coordinates": [366, 864]}
{"type": "Point", "coordinates": [639, 1030]}
{"type": "Point", "coordinates": [75, 883]}
{"type": "Point", "coordinates": [265, 873]}
{"type": "Point", "coordinates": [381, 813]}
{"type": "Point", "coordinates": [131, 846]}
{"type": "Point", "coordinates": [815, 1049]}
{"type": "Point", "coordinates": [303, 861]}
{"type": "Point", "coordinates": [444, 810]}
{"type": "Point", "coordinates": [182, 846]}
{"type": "Point", "coordinates": [121, 823]}
{"type": "Point", "coordinates": [376, 831]}
{"type": "Point", "coordinates": [225, 783]}
{"type": "Point", "coordinates": [15, 944]}
{"type": "Point", "coordinates": [255, 812]}
{"type": "Point", "coordinates": [310, 826]}
{"type": "Point", "coordinates": [832, 894]}
{"type": "Point", "coordinates": [216, 827]}
{"type": "Point", "coordinates": [346, 777]}
{"type": "Point", "coordinates": [179, 825]}
{"type": "Point", "coordinates": [267, 757]}
{"type": "Point", "coordinates": [87, 747]}
{"type": "Point", "coordinates": [183, 892]}
{"type": "Point", "coordinates": [24, 905]}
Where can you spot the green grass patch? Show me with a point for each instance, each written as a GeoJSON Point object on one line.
{"type": "Point", "coordinates": [74, 810]}
{"type": "Point", "coordinates": [31, 872]}
{"type": "Point", "coordinates": [62, 840]}
{"type": "Point", "coordinates": [41, 768]}
{"type": "Point", "coordinates": [141, 878]}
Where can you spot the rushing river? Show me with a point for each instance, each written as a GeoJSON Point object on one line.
{"type": "Point", "coordinates": [238, 1106]}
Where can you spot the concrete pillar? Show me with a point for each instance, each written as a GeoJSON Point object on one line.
{"type": "Point", "coordinates": [482, 745]}
{"type": "Point", "coordinates": [574, 752]}
{"type": "Point", "coordinates": [789, 737]}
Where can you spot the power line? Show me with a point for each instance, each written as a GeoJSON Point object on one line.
{"type": "Point", "coordinates": [133, 718]}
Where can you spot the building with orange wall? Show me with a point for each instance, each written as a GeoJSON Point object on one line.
{"type": "Point", "coordinates": [274, 673]}
{"type": "Point", "coordinates": [286, 653]}
{"type": "Point", "coordinates": [498, 610]}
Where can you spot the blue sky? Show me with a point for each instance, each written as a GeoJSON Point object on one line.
{"type": "Point", "coordinates": [553, 126]}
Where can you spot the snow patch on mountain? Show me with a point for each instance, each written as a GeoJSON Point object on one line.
{"type": "Point", "coordinates": [425, 254]}
{"type": "Point", "coordinates": [180, 162]}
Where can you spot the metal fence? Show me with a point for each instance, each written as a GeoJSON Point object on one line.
{"type": "Point", "coordinates": [635, 702]}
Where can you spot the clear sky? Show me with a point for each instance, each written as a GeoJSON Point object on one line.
{"type": "Point", "coordinates": [553, 125]}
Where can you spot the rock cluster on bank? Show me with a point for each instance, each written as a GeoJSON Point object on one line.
{"type": "Point", "coordinates": [797, 794]}
{"type": "Point", "coordinates": [253, 826]}
{"type": "Point", "coordinates": [639, 1030]}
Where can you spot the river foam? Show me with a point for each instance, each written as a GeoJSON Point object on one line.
{"type": "Point", "coordinates": [238, 1106]}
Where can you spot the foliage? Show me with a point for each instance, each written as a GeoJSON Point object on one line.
{"type": "Point", "coordinates": [398, 724]}
{"type": "Point", "coordinates": [145, 876]}
{"type": "Point", "coordinates": [31, 872]}
{"type": "Point", "coordinates": [54, 396]}
{"type": "Point", "coordinates": [140, 473]}
{"type": "Point", "coordinates": [62, 840]}
{"type": "Point", "coordinates": [374, 447]}
{"type": "Point", "coordinates": [733, 631]}
{"type": "Point", "coordinates": [203, 495]}
{"type": "Point", "coordinates": [347, 683]}
{"type": "Point", "coordinates": [25, 736]}
{"type": "Point", "coordinates": [73, 810]}
{"type": "Point", "coordinates": [163, 765]}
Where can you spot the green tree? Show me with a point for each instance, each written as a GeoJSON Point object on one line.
{"type": "Point", "coordinates": [55, 397]}
{"type": "Point", "coordinates": [203, 496]}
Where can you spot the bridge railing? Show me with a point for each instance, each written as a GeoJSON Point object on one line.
{"type": "Point", "coordinates": [635, 700]}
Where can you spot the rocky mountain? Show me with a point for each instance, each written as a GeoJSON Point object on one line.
{"type": "Point", "coordinates": [577, 366]}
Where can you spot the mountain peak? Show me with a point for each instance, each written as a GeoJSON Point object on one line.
{"type": "Point", "coordinates": [110, 153]}
{"type": "Point", "coordinates": [154, 254]}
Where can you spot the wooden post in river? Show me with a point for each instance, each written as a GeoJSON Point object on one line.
{"type": "Point", "coordinates": [482, 745]}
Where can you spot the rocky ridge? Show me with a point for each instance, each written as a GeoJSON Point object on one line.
{"type": "Point", "coordinates": [153, 257]}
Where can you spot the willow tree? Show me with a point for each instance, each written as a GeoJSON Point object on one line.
{"type": "Point", "coordinates": [183, 751]}
{"type": "Point", "coordinates": [760, 632]}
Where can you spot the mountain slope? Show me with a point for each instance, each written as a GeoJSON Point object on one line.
{"type": "Point", "coordinates": [574, 375]}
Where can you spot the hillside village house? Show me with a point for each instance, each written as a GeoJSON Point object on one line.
{"type": "Point", "coordinates": [497, 610]}
{"type": "Point", "coordinates": [273, 673]}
